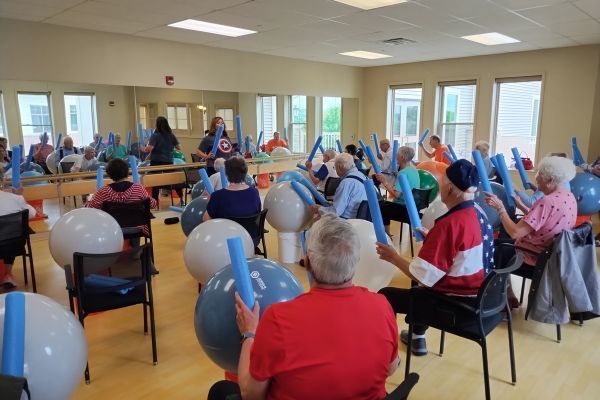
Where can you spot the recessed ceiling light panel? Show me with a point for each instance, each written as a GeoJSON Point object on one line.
{"type": "Point", "coordinates": [370, 4]}
{"type": "Point", "coordinates": [365, 54]}
{"type": "Point", "coordinates": [209, 27]}
{"type": "Point", "coordinates": [491, 39]}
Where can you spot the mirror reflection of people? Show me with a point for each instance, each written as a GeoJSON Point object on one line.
{"type": "Point", "coordinates": [87, 161]}
{"type": "Point", "coordinates": [98, 146]}
{"type": "Point", "coordinates": [206, 145]}
{"type": "Point", "coordinates": [41, 153]}
{"type": "Point", "coordinates": [118, 150]}
{"type": "Point", "coordinates": [67, 148]}
{"type": "Point", "coordinates": [275, 142]}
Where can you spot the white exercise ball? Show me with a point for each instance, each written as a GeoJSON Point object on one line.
{"type": "Point", "coordinates": [84, 230]}
{"type": "Point", "coordinates": [287, 211]}
{"type": "Point", "coordinates": [71, 158]}
{"type": "Point", "coordinates": [55, 347]}
{"type": "Point", "coordinates": [435, 210]}
{"type": "Point", "coordinates": [371, 272]}
{"type": "Point", "coordinates": [52, 162]}
{"type": "Point", "coordinates": [280, 152]}
{"type": "Point", "coordinates": [206, 249]}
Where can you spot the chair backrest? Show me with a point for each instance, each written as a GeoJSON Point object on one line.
{"type": "Point", "coordinates": [331, 185]}
{"type": "Point", "coordinates": [363, 211]}
{"type": "Point", "coordinates": [14, 228]}
{"type": "Point", "coordinates": [492, 293]}
{"type": "Point", "coordinates": [254, 224]}
{"type": "Point", "coordinates": [66, 166]}
{"type": "Point", "coordinates": [192, 176]}
{"type": "Point", "coordinates": [116, 267]}
{"type": "Point", "coordinates": [421, 197]}
{"type": "Point", "coordinates": [129, 214]}
{"type": "Point", "coordinates": [196, 158]}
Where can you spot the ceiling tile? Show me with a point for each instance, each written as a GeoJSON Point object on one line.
{"type": "Point", "coordinates": [551, 43]}
{"type": "Point", "coordinates": [523, 4]}
{"type": "Point", "coordinates": [227, 18]}
{"type": "Point", "coordinates": [63, 4]}
{"type": "Point", "coordinates": [179, 35]}
{"type": "Point", "coordinates": [95, 22]}
{"type": "Point", "coordinates": [26, 11]}
{"type": "Point", "coordinates": [124, 11]}
{"type": "Point", "coordinates": [416, 14]}
{"type": "Point", "coordinates": [552, 14]}
{"type": "Point", "coordinates": [337, 28]}
{"type": "Point", "coordinates": [373, 21]}
{"type": "Point", "coordinates": [587, 39]}
{"type": "Point", "coordinates": [463, 8]}
{"type": "Point", "coordinates": [503, 21]}
{"type": "Point", "coordinates": [591, 7]}
{"type": "Point", "coordinates": [319, 8]}
{"type": "Point", "coordinates": [274, 11]}
{"type": "Point", "coordinates": [577, 28]}
{"type": "Point", "coordinates": [461, 28]}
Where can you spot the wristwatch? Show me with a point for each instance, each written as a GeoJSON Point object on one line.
{"type": "Point", "coordinates": [247, 335]}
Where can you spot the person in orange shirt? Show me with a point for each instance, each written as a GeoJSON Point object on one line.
{"type": "Point", "coordinates": [438, 149]}
{"type": "Point", "coordinates": [275, 142]}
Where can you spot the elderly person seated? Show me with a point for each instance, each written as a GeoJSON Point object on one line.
{"type": "Point", "coordinates": [438, 149]}
{"type": "Point", "coordinates": [386, 157]}
{"type": "Point", "coordinates": [87, 161]}
{"type": "Point", "coordinates": [358, 161]}
{"type": "Point", "coordinates": [550, 215]}
{"type": "Point", "coordinates": [326, 170]}
{"type": "Point", "coordinates": [4, 159]}
{"type": "Point", "coordinates": [484, 149]}
{"type": "Point", "coordinates": [67, 148]}
{"type": "Point", "coordinates": [275, 142]}
{"type": "Point", "coordinates": [41, 152]}
{"type": "Point", "coordinates": [345, 349]}
{"type": "Point", "coordinates": [118, 150]}
{"type": "Point", "coordinates": [97, 146]}
{"type": "Point", "coordinates": [11, 203]}
{"type": "Point", "coordinates": [236, 200]}
{"type": "Point", "coordinates": [456, 253]}
{"type": "Point", "coordinates": [351, 191]}
{"type": "Point", "coordinates": [396, 209]}
{"type": "Point", "coordinates": [215, 179]}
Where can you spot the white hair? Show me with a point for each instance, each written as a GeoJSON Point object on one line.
{"type": "Point", "coordinates": [88, 148]}
{"type": "Point", "coordinates": [483, 147]}
{"type": "Point", "coordinates": [219, 162]}
{"type": "Point", "coordinates": [333, 250]}
{"type": "Point", "coordinates": [408, 153]}
{"type": "Point", "coordinates": [330, 153]}
{"type": "Point", "coordinates": [556, 169]}
{"type": "Point", "coordinates": [344, 162]}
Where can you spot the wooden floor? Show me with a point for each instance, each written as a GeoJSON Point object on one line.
{"type": "Point", "coordinates": [121, 360]}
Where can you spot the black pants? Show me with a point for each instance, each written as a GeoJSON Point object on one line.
{"type": "Point", "coordinates": [8, 253]}
{"type": "Point", "coordinates": [225, 390]}
{"type": "Point", "coordinates": [393, 211]}
{"type": "Point", "coordinates": [399, 300]}
{"type": "Point", "coordinates": [156, 189]}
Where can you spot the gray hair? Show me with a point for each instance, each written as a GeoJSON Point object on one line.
{"type": "Point", "coordinates": [344, 162]}
{"type": "Point", "coordinates": [88, 148]}
{"type": "Point", "coordinates": [330, 153]}
{"type": "Point", "coordinates": [407, 153]}
{"type": "Point", "coordinates": [556, 169]}
{"type": "Point", "coordinates": [333, 249]}
{"type": "Point", "coordinates": [483, 147]}
{"type": "Point", "coordinates": [219, 162]}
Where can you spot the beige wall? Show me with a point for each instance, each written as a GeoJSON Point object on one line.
{"type": "Point", "coordinates": [117, 118]}
{"type": "Point", "coordinates": [570, 92]}
{"type": "Point", "coordinates": [45, 52]}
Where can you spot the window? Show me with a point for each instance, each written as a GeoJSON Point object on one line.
{"type": "Point", "coordinates": [34, 110]}
{"type": "Point", "coordinates": [2, 128]}
{"type": "Point", "coordinates": [331, 127]}
{"type": "Point", "coordinates": [267, 116]}
{"type": "Point", "coordinates": [457, 115]}
{"type": "Point", "coordinates": [405, 115]}
{"type": "Point", "coordinates": [177, 114]}
{"type": "Point", "coordinates": [227, 115]}
{"type": "Point", "coordinates": [80, 115]}
{"type": "Point", "coordinates": [517, 111]}
{"type": "Point", "coordinates": [298, 122]}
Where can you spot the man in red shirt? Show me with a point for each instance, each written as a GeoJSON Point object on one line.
{"type": "Point", "coordinates": [438, 150]}
{"type": "Point", "coordinates": [275, 142]}
{"type": "Point", "coordinates": [456, 255]}
{"type": "Point", "coordinates": [338, 341]}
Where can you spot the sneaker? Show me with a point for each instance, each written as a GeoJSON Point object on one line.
{"type": "Point", "coordinates": [418, 347]}
{"type": "Point", "coordinates": [8, 282]}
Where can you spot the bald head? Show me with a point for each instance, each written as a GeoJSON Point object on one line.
{"type": "Point", "coordinates": [68, 142]}
{"type": "Point", "coordinates": [384, 145]}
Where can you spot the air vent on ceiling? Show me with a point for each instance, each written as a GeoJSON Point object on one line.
{"type": "Point", "coordinates": [398, 41]}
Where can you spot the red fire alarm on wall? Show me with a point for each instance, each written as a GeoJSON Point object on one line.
{"type": "Point", "coordinates": [170, 80]}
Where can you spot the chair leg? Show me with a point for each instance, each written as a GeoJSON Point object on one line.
{"type": "Point", "coordinates": [522, 291]}
{"type": "Point", "coordinates": [87, 374]}
{"type": "Point", "coordinates": [264, 247]}
{"type": "Point", "coordinates": [401, 229]}
{"type": "Point", "coordinates": [31, 267]}
{"type": "Point", "coordinates": [412, 250]}
{"type": "Point", "coordinates": [153, 332]}
{"type": "Point", "coordinates": [145, 319]}
{"type": "Point", "coordinates": [486, 374]}
{"type": "Point", "coordinates": [23, 259]}
{"type": "Point", "coordinates": [408, 351]}
{"type": "Point", "coordinates": [558, 334]}
{"type": "Point", "coordinates": [511, 347]}
{"type": "Point", "coordinates": [442, 339]}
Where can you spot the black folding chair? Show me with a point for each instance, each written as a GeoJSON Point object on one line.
{"type": "Point", "coordinates": [255, 225]}
{"type": "Point", "coordinates": [66, 166]}
{"type": "Point", "coordinates": [469, 318]}
{"type": "Point", "coordinates": [331, 185]}
{"type": "Point", "coordinates": [403, 389]}
{"type": "Point", "coordinates": [196, 157]}
{"type": "Point", "coordinates": [103, 282]}
{"type": "Point", "coordinates": [192, 176]}
{"type": "Point", "coordinates": [15, 240]}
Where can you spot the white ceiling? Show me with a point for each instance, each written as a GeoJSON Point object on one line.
{"type": "Point", "coordinates": [320, 29]}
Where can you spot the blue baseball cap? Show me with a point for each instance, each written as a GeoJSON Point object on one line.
{"type": "Point", "coordinates": [463, 175]}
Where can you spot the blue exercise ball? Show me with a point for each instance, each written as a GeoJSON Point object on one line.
{"type": "Point", "coordinates": [30, 174]}
{"type": "Point", "coordinates": [192, 214]}
{"type": "Point", "coordinates": [198, 189]}
{"type": "Point", "coordinates": [586, 189]}
{"type": "Point", "coordinates": [32, 167]}
{"type": "Point", "coordinates": [492, 214]}
{"type": "Point", "coordinates": [214, 317]}
{"type": "Point", "coordinates": [102, 156]}
{"type": "Point", "coordinates": [291, 176]}
{"type": "Point", "coordinates": [178, 161]}
{"type": "Point", "coordinates": [249, 181]}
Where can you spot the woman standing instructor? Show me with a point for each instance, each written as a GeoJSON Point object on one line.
{"type": "Point", "coordinates": [160, 146]}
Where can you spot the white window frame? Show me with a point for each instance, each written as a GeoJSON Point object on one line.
{"type": "Point", "coordinates": [442, 87]}
{"type": "Point", "coordinates": [390, 116]}
{"type": "Point", "coordinates": [177, 126]}
{"type": "Point", "coordinates": [332, 143]}
{"type": "Point", "coordinates": [267, 135]}
{"type": "Point", "coordinates": [3, 132]}
{"type": "Point", "coordinates": [49, 102]}
{"type": "Point", "coordinates": [229, 123]}
{"type": "Point", "coordinates": [292, 130]}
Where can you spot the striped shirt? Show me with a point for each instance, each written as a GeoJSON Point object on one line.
{"type": "Point", "coordinates": [457, 253]}
{"type": "Point", "coordinates": [121, 192]}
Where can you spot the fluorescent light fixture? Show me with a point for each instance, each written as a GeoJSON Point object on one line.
{"type": "Point", "coordinates": [209, 27]}
{"type": "Point", "coordinates": [370, 4]}
{"type": "Point", "coordinates": [365, 54]}
{"type": "Point", "coordinates": [491, 39]}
